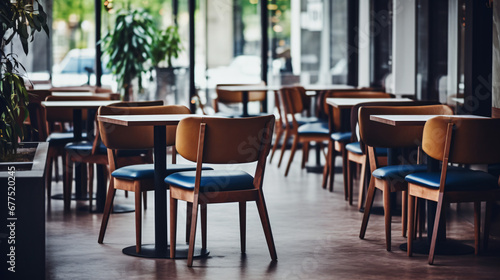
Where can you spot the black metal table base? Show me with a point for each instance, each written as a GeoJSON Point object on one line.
{"type": "Point", "coordinates": [314, 169]}
{"type": "Point", "coordinates": [117, 209]}
{"type": "Point", "coordinates": [148, 251]}
{"type": "Point", "coordinates": [449, 247]}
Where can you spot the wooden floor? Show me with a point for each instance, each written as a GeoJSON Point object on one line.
{"type": "Point", "coordinates": [315, 231]}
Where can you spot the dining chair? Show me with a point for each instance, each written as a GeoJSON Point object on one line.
{"type": "Point", "coordinates": [284, 124]}
{"type": "Point", "coordinates": [464, 141]}
{"type": "Point", "coordinates": [95, 153]}
{"type": "Point", "coordinates": [137, 178]}
{"type": "Point", "coordinates": [302, 131]}
{"type": "Point", "coordinates": [340, 133]}
{"type": "Point", "coordinates": [391, 178]}
{"type": "Point", "coordinates": [202, 140]}
{"type": "Point", "coordinates": [231, 98]}
{"type": "Point", "coordinates": [58, 140]}
{"type": "Point", "coordinates": [36, 119]}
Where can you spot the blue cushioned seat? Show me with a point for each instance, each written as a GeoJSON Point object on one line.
{"type": "Point", "coordinates": [341, 136]}
{"type": "Point", "coordinates": [314, 128]}
{"type": "Point", "coordinates": [84, 148]}
{"type": "Point", "coordinates": [397, 172]}
{"type": "Point", "coordinates": [457, 179]}
{"type": "Point", "coordinates": [356, 148]}
{"type": "Point", "coordinates": [62, 138]}
{"type": "Point", "coordinates": [147, 171]}
{"type": "Point", "coordinates": [213, 180]}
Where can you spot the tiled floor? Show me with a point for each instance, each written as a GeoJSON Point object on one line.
{"type": "Point", "coordinates": [315, 231]}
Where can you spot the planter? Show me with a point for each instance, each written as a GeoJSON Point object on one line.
{"type": "Point", "coordinates": [22, 217]}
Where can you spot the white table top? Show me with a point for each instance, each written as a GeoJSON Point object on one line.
{"type": "Point", "coordinates": [71, 93]}
{"type": "Point", "coordinates": [345, 103]}
{"type": "Point", "coordinates": [412, 120]}
{"type": "Point", "coordinates": [458, 100]}
{"type": "Point", "coordinates": [78, 104]}
{"type": "Point", "coordinates": [145, 120]}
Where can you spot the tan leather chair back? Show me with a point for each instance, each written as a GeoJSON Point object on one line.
{"type": "Point", "coordinates": [224, 96]}
{"type": "Point", "coordinates": [136, 137]}
{"type": "Point", "coordinates": [473, 141]}
{"type": "Point", "coordinates": [226, 140]}
{"type": "Point", "coordinates": [66, 115]}
{"type": "Point", "coordinates": [377, 134]}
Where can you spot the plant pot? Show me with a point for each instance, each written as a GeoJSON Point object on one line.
{"type": "Point", "coordinates": [22, 214]}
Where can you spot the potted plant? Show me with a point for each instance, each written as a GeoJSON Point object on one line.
{"type": "Point", "coordinates": [129, 46]}
{"type": "Point", "coordinates": [22, 242]}
{"type": "Point", "coordinates": [166, 46]}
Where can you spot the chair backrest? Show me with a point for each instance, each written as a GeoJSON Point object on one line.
{"type": "Point", "coordinates": [472, 141]}
{"type": "Point", "coordinates": [377, 134]}
{"type": "Point", "coordinates": [66, 115]}
{"type": "Point", "coordinates": [37, 113]}
{"type": "Point", "coordinates": [135, 137]}
{"type": "Point", "coordinates": [293, 100]}
{"type": "Point", "coordinates": [355, 110]}
{"type": "Point", "coordinates": [137, 103]}
{"type": "Point", "coordinates": [224, 96]}
{"type": "Point", "coordinates": [226, 141]}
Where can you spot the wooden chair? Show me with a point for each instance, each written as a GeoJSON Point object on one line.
{"type": "Point", "coordinates": [341, 133]}
{"type": "Point", "coordinates": [201, 140]}
{"type": "Point", "coordinates": [36, 120]}
{"type": "Point", "coordinates": [391, 178]}
{"type": "Point", "coordinates": [302, 132]}
{"type": "Point", "coordinates": [58, 140]}
{"type": "Point", "coordinates": [227, 97]}
{"type": "Point", "coordinates": [137, 178]}
{"type": "Point", "coordinates": [95, 153]}
{"type": "Point", "coordinates": [464, 141]}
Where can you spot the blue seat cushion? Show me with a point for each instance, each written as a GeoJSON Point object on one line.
{"type": "Point", "coordinates": [341, 136]}
{"type": "Point", "coordinates": [213, 180]}
{"type": "Point", "coordinates": [398, 172]}
{"type": "Point", "coordinates": [457, 179]}
{"type": "Point", "coordinates": [84, 148]}
{"type": "Point", "coordinates": [320, 128]}
{"type": "Point", "coordinates": [356, 148]}
{"type": "Point", "coordinates": [147, 171]}
{"type": "Point", "coordinates": [62, 138]}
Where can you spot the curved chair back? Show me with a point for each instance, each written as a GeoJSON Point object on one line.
{"type": "Point", "coordinates": [249, 138]}
{"type": "Point", "coordinates": [293, 100]}
{"type": "Point", "coordinates": [377, 134]}
{"type": "Point", "coordinates": [355, 111]}
{"type": "Point", "coordinates": [66, 115]}
{"type": "Point", "coordinates": [224, 96]}
{"type": "Point", "coordinates": [471, 141]}
{"type": "Point", "coordinates": [137, 103]}
{"type": "Point", "coordinates": [136, 137]}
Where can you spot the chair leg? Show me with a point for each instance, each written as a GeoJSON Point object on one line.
{"type": "Point", "coordinates": [283, 146]}
{"type": "Point", "coordinates": [279, 133]}
{"type": "Point", "coordinates": [90, 182]}
{"type": "Point", "coordinates": [487, 223]}
{"type": "Point", "coordinates": [292, 154]}
{"type": "Point", "coordinates": [203, 219]}
{"type": "Point", "coordinates": [243, 217]}
{"type": "Point", "coordinates": [411, 217]}
{"type": "Point", "coordinates": [435, 229]}
{"type": "Point", "coordinates": [48, 177]}
{"type": "Point", "coordinates": [67, 182]}
{"type": "Point", "coordinates": [404, 212]}
{"type": "Point", "coordinates": [477, 226]}
{"type": "Point", "coordinates": [326, 168]}
{"type": "Point", "coordinates": [173, 226]}
{"type": "Point", "coordinates": [56, 168]}
{"type": "Point", "coordinates": [305, 155]}
{"type": "Point", "coordinates": [350, 174]}
{"type": "Point", "coordinates": [192, 236]}
{"type": "Point", "coordinates": [266, 225]}
{"type": "Point", "coordinates": [345, 168]}
{"type": "Point", "coordinates": [189, 212]}
{"type": "Point", "coordinates": [145, 200]}
{"type": "Point", "coordinates": [368, 207]}
{"type": "Point", "coordinates": [362, 178]}
{"type": "Point", "coordinates": [387, 216]}
{"type": "Point", "coordinates": [138, 220]}
{"type": "Point", "coordinates": [107, 210]}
